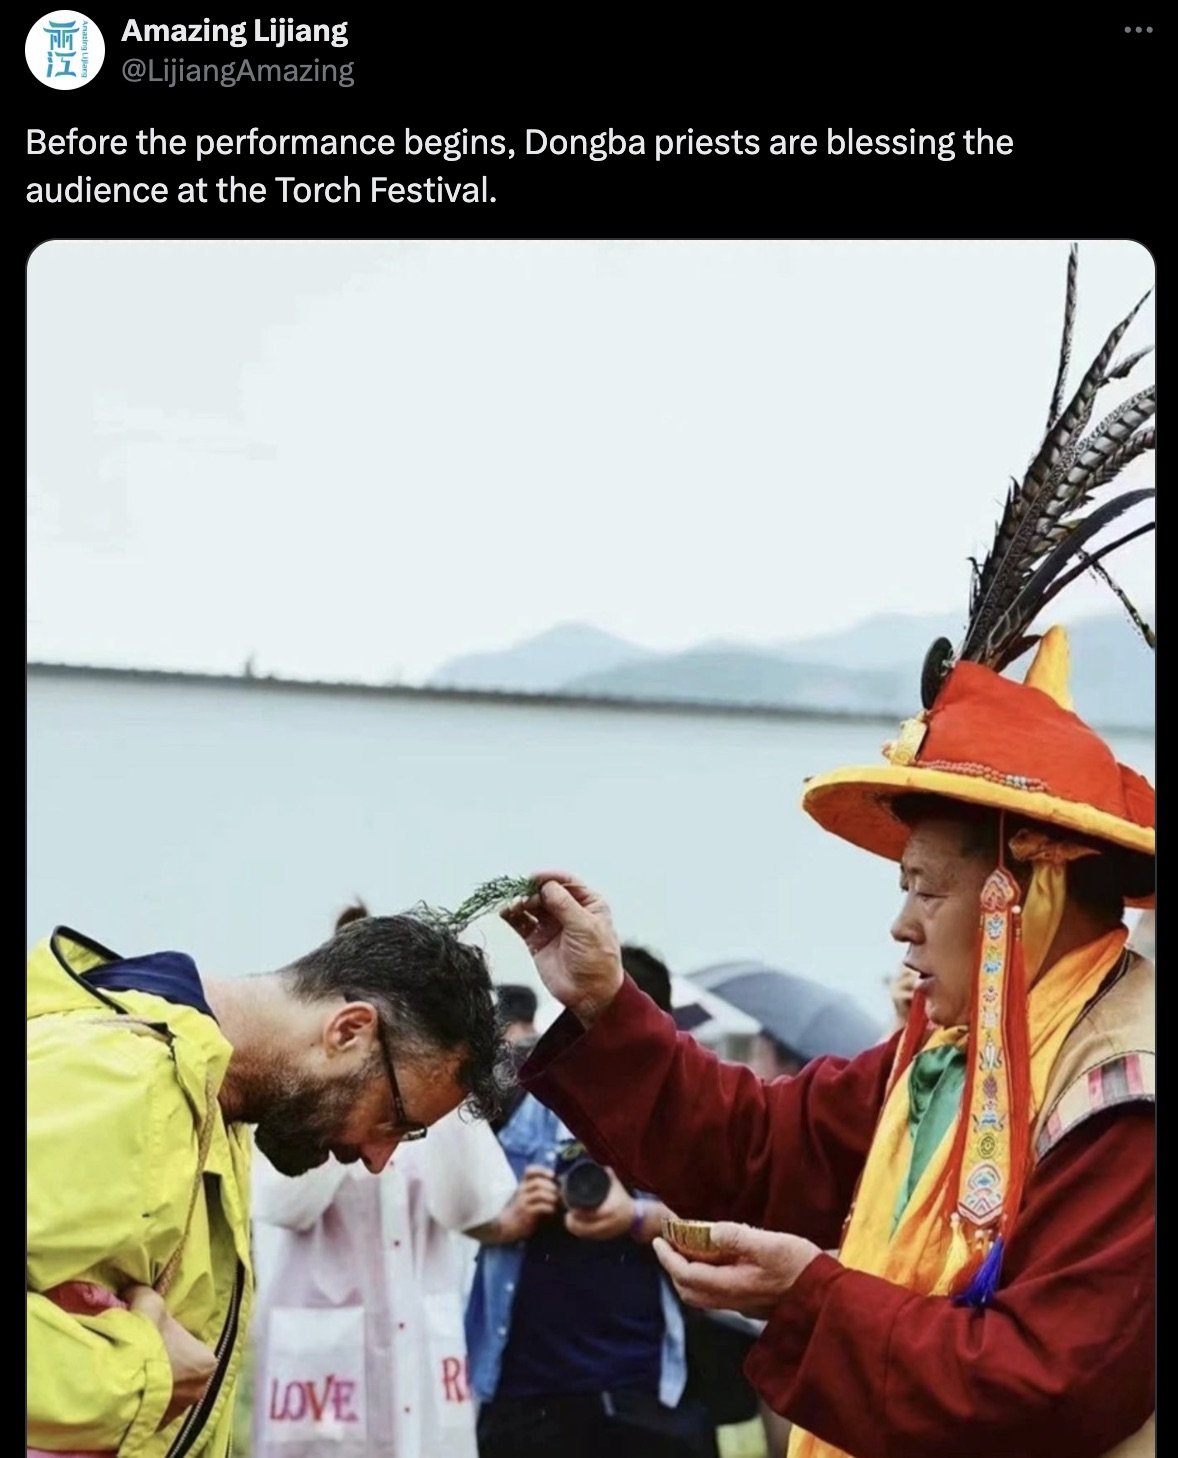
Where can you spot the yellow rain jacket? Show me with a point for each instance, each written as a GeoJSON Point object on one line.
{"type": "Point", "coordinates": [122, 1105]}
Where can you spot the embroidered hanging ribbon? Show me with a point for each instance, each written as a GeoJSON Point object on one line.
{"type": "Point", "coordinates": [991, 1144]}
{"type": "Point", "coordinates": [993, 1139]}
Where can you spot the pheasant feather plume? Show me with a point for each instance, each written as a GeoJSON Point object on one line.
{"type": "Point", "coordinates": [1044, 539]}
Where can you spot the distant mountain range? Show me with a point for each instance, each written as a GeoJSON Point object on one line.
{"type": "Point", "coordinates": [543, 664]}
{"type": "Point", "coordinates": [872, 668]}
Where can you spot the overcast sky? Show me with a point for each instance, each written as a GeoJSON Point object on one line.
{"type": "Point", "coordinates": [359, 460]}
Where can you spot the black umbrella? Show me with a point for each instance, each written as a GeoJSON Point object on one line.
{"type": "Point", "coordinates": [806, 1016]}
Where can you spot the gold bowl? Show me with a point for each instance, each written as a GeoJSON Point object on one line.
{"type": "Point", "coordinates": [692, 1237]}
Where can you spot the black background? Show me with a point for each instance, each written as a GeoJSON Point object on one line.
{"type": "Point", "coordinates": [1080, 100]}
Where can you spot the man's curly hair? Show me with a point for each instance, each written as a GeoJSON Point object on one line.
{"type": "Point", "coordinates": [433, 993]}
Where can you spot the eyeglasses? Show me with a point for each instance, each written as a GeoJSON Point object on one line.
{"type": "Point", "coordinates": [405, 1129]}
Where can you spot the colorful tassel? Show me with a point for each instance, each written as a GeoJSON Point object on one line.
{"type": "Point", "coordinates": [984, 1283]}
{"type": "Point", "coordinates": [956, 1258]}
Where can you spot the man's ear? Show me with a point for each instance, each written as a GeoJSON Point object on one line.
{"type": "Point", "coordinates": [349, 1025]}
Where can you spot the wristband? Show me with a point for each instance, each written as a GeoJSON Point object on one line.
{"type": "Point", "coordinates": [638, 1224]}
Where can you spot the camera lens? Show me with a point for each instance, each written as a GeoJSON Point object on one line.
{"type": "Point", "coordinates": [585, 1186]}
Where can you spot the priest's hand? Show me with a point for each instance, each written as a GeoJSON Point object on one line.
{"type": "Point", "coordinates": [749, 1271]}
{"type": "Point", "coordinates": [570, 933]}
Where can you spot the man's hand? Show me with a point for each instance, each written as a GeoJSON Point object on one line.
{"type": "Point", "coordinates": [193, 1364]}
{"type": "Point", "coordinates": [613, 1217]}
{"type": "Point", "coordinates": [750, 1271]}
{"type": "Point", "coordinates": [570, 933]}
{"type": "Point", "coordinates": [536, 1196]}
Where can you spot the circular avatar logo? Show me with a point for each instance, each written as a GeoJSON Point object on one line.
{"type": "Point", "coordinates": [65, 50]}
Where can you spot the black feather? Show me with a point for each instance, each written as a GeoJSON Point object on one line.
{"type": "Point", "coordinates": [1116, 462]}
{"type": "Point", "coordinates": [1081, 460]}
{"type": "Point", "coordinates": [1120, 371]}
{"type": "Point", "coordinates": [1134, 616]}
{"type": "Point", "coordinates": [1026, 606]}
{"type": "Point", "coordinates": [1065, 348]}
{"type": "Point", "coordinates": [1086, 562]}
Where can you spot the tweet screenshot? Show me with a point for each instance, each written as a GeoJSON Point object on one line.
{"type": "Point", "coordinates": [590, 734]}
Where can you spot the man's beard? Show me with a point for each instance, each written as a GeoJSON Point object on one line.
{"type": "Point", "coordinates": [301, 1123]}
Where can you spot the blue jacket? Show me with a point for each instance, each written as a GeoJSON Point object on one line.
{"type": "Point", "coordinates": [532, 1136]}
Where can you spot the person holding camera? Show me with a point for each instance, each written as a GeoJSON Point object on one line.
{"type": "Point", "coordinates": [575, 1335]}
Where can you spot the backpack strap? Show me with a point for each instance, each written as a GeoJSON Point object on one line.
{"type": "Point", "coordinates": [168, 1274]}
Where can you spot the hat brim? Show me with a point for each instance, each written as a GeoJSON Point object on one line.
{"type": "Point", "coordinates": [853, 804]}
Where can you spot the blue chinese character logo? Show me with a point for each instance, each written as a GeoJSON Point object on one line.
{"type": "Point", "coordinates": [61, 47]}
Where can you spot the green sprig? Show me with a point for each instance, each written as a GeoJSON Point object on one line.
{"type": "Point", "coordinates": [487, 897]}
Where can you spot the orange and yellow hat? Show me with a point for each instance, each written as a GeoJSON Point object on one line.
{"type": "Point", "coordinates": [990, 741]}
